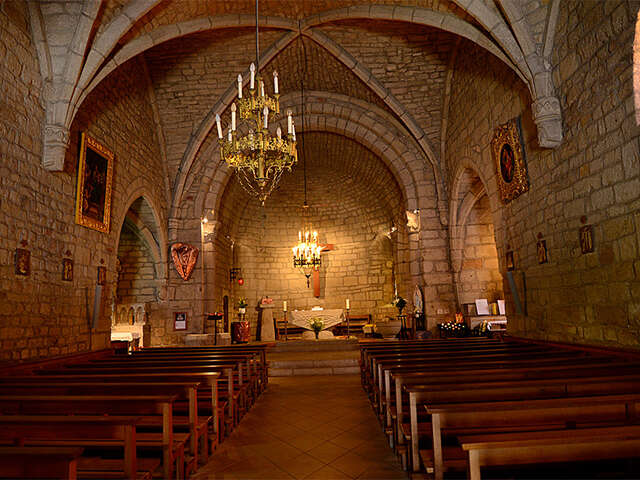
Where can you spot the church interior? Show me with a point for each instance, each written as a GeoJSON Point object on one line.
{"type": "Point", "coordinates": [413, 212]}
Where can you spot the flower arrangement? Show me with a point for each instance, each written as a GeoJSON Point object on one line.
{"type": "Point", "coordinates": [399, 303]}
{"type": "Point", "coordinates": [242, 303]}
{"type": "Point", "coordinates": [316, 325]}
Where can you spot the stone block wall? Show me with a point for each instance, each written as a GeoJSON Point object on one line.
{"type": "Point", "coordinates": [41, 315]}
{"type": "Point", "coordinates": [137, 276]}
{"type": "Point", "coordinates": [595, 173]}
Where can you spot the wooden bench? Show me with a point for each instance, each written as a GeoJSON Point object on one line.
{"type": "Point", "coordinates": [356, 322]}
{"type": "Point", "coordinates": [43, 404]}
{"type": "Point", "coordinates": [482, 415]}
{"type": "Point", "coordinates": [58, 463]}
{"type": "Point", "coordinates": [550, 446]}
{"type": "Point", "coordinates": [82, 431]}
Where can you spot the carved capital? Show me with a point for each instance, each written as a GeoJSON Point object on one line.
{"type": "Point", "coordinates": [56, 141]}
{"type": "Point", "coordinates": [548, 118]}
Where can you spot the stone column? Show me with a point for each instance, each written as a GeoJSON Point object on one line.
{"type": "Point", "coordinates": [267, 332]}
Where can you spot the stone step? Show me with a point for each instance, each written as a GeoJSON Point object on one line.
{"type": "Point", "coordinates": [333, 362]}
{"type": "Point", "coordinates": [315, 345]}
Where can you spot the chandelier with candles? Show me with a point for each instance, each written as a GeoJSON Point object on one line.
{"type": "Point", "coordinates": [258, 157]}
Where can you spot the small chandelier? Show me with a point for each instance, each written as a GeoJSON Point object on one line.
{"type": "Point", "coordinates": [259, 157]}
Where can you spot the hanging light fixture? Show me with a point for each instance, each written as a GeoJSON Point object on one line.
{"type": "Point", "coordinates": [259, 157]}
{"type": "Point", "coordinates": [306, 254]}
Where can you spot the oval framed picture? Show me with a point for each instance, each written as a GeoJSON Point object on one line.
{"type": "Point", "coordinates": [508, 155]}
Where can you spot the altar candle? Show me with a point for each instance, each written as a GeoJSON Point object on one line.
{"type": "Point", "coordinates": [284, 305]}
{"type": "Point", "coordinates": [261, 88]}
{"type": "Point", "coordinates": [289, 122]}
{"type": "Point", "coordinates": [252, 84]}
{"type": "Point", "coordinates": [348, 305]}
{"type": "Point", "coordinates": [275, 82]}
{"type": "Point", "coordinates": [265, 113]}
{"type": "Point", "coordinates": [239, 86]}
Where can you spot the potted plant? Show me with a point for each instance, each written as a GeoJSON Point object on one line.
{"type": "Point", "coordinates": [316, 325]}
{"type": "Point", "coordinates": [242, 306]}
{"type": "Point", "coordinates": [399, 303]}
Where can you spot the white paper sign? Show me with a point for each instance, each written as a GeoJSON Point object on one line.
{"type": "Point", "coordinates": [482, 306]}
{"type": "Point", "coordinates": [501, 309]}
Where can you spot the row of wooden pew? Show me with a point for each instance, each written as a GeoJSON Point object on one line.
{"type": "Point", "coordinates": [156, 412]}
{"type": "Point", "coordinates": [466, 404]}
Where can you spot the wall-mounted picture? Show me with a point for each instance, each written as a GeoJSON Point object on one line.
{"type": "Point", "coordinates": [541, 251]}
{"type": "Point", "coordinates": [586, 239]}
{"type": "Point", "coordinates": [22, 262]}
{"type": "Point", "coordinates": [95, 176]}
{"type": "Point", "coordinates": [102, 275]}
{"type": "Point", "coordinates": [508, 154]}
{"type": "Point", "coordinates": [180, 321]}
{"type": "Point", "coordinates": [67, 270]}
{"type": "Point", "coordinates": [510, 263]}
{"type": "Point", "coordinates": [184, 258]}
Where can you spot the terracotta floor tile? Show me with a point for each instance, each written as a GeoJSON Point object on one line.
{"type": "Point", "coordinates": [328, 473]}
{"type": "Point", "coordinates": [352, 464]}
{"type": "Point", "coordinates": [301, 466]}
{"type": "Point", "coordinates": [327, 452]}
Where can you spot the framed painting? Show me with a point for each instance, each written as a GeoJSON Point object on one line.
{"type": "Point", "coordinates": [541, 251]}
{"type": "Point", "coordinates": [508, 154]}
{"type": "Point", "coordinates": [586, 239]}
{"type": "Point", "coordinates": [180, 320]}
{"type": "Point", "coordinates": [102, 275]}
{"type": "Point", "coordinates": [511, 266]}
{"type": "Point", "coordinates": [95, 176]}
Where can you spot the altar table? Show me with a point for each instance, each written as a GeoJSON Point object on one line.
{"type": "Point", "coordinates": [330, 318]}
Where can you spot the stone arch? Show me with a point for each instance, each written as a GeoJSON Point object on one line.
{"type": "Point", "coordinates": [474, 267]}
{"type": "Point", "coordinates": [158, 246]}
{"type": "Point", "coordinates": [356, 119]}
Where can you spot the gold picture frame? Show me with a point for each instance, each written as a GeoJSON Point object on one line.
{"type": "Point", "coordinates": [95, 177]}
{"type": "Point", "coordinates": [508, 155]}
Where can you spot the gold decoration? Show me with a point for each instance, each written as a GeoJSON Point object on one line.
{"type": "Point", "coordinates": [508, 155]}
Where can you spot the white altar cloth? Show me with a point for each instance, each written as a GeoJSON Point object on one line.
{"type": "Point", "coordinates": [301, 318]}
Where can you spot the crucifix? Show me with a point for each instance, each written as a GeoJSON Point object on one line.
{"type": "Point", "coordinates": [327, 247]}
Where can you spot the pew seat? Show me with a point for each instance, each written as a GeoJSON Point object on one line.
{"type": "Point", "coordinates": [39, 462]}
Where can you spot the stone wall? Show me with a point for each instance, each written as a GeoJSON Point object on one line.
{"type": "Point", "coordinates": [40, 314]}
{"type": "Point", "coordinates": [586, 298]}
{"type": "Point", "coordinates": [137, 275]}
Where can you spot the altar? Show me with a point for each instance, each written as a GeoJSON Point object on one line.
{"type": "Point", "coordinates": [330, 318]}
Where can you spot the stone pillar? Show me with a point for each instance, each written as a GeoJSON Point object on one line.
{"type": "Point", "coordinates": [267, 332]}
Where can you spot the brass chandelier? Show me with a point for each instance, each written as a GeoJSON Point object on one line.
{"type": "Point", "coordinates": [259, 157]}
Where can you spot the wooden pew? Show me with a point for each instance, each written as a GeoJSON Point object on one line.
{"type": "Point", "coordinates": [58, 463]}
{"type": "Point", "coordinates": [81, 431]}
{"type": "Point", "coordinates": [112, 405]}
{"type": "Point", "coordinates": [187, 389]}
{"type": "Point", "coordinates": [482, 415]}
{"type": "Point", "coordinates": [226, 371]}
{"type": "Point", "coordinates": [426, 381]}
{"type": "Point", "coordinates": [550, 446]}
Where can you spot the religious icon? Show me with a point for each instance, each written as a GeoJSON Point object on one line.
{"type": "Point", "coordinates": [184, 259]}
{"type": "Point", "coordinates": [510, 263]}
{"type": "Point", "coordinates": [586, 239]}
{"type": "Point", "coordinates": [180, 321]}
{"type": "Point", "coordinates": [541, 249]}
{"type": "Point", "coordinates": [93, 193]}
{"type": "Point", "coordinates": [67, 269]}
{"type": "Point", "coordinates": [102, 275]}
{"type": "Point", "coordinates": [22, 262]}
{"type": "Point", "coordinates": [508, 153]}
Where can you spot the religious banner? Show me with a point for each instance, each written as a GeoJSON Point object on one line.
{"type": "Point", "coordinates": [184, 258]}
{"type": "Point", "coordinates": [508, 154]}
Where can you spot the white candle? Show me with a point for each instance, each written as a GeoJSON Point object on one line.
{"type": "Point", "coordinates": [348, 305]}
{"type": "Point", "coordinates": [289, 122]}
{"type": "Point", "coordinates": [275, 82]}
{"type": "Point", "coordinates": [261, 88]}
{"type": "Point", "coordinates": [229, 137]}
{"type": "Point", "coordinates": [252, 68]}
{"type": "Point", "coordinates": [239, 86]}
{"type": "Point", "coordinates": [293, 131]}
{"type": "Point", "coordinates": [219, 126]}
{"type": "Point", "coordinates": [279, 132]}
{"type": "Point", "coordinates": [233, 116]}
{"type": "Point", "coordinates": [284, 305]}
{"type": "Point", "coordinates": [265, 113]}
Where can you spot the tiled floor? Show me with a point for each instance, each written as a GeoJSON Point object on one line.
{"type": "Point", "coordinates": [319, 427]}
